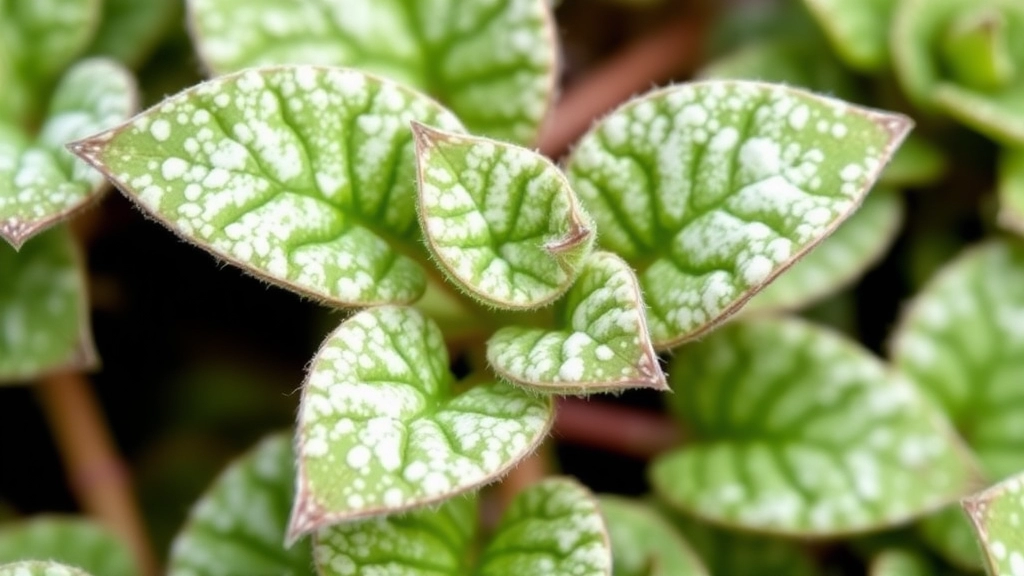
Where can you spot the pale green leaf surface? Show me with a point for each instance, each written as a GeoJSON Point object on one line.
{"type": "Point", "coordinates": [73, 541]}
{"type": "Point", "coordinates": [839, 260]}
{"type": "Point", "coordinates": [601, 342]}
{"type": "Point", "coordinates": [711, 189]}
{"type": "Point", "coordinates": [996, 514]}
{"type": "Point", "coordinates": [897, 562]}
{"type": "Point", "coordinates": [129, 29]}
{"type": "Point", "coordinates": [382, 427]}
{"type": "Point", "coordinates": [644, 543]}
{"type": "Point", "coordinates": [303, 175]}
{"type": "Point", "coordinates": [44, 322]}
{"type": "Point", "coordinates": [1010, 189]}
{"type": "Point", "coordinates": [40, 181]}
{"type": "Point", "coordinates": [237, 527]}
{"type": "Point", "coordinates": [40, 568]}
{"type": "Point", "coordinates": [799, 431]}
{"type": "Point", "coordinates": [857, 29]}
{"type": "Point", "coordinates": [492, 63]}
{"type": "Point", "coordinates": [45, 36]}
{"type": "Point", "coordinates": [500, 220]}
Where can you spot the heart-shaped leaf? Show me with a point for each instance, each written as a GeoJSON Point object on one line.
{"type": "Point", "coordinates": [709, 190]}
{"type": "Point", "coordinates": [41, 183]}
{"type": "Point", "coordinates": [858, 29]}
{"type": "Point", "coordinates": [644, 544]}
{"type": "Point", "coordinates": [238, 527]}
{"type": "Point", "coordinates": [839, 259]}
{"type": "Point", "coordinates": [302, 175]}
{"type": "Point", "coordinates": [501, 220]}
{"type": "Point", "coordinates": [897, 562]}
{"type": "Point", "coordinates": [552, 527]}
{"type": "Point", "coordinates": [996, 516]}
{"type": "Point", "coordinates": [40, 568]}
{"type": "Point", "coordinates": [798, 431]}
{"type": "Point", "coordinates": [601, 342]}
{"type": "Point", "coordinates": [383, 429]}
{"type": "Point", "coordinates": [74, 541]}
{"type": "Point", "coordinates": [493, 63]}
{"type": "Point", "coordinates": [44, 308]}
{"type": "Point", "coordinates": [1011, 189]}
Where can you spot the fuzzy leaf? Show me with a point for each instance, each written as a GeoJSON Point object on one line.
{"type": "Point", "coordinates": [601, 342]}
{"type": "Point", "coordinates": [492, 63]}
{"type": "Point", "coordinates": [383, 429]}
{"type": "Point", "coordinates": [996, 515]}
{"type": "Point", "coordinates": [858, 29]}
{"type": "Point", "coordinates": [500, 220]}
{"type": "Point", "coordinates": [840, 259]}
{"type": "Point", "coordinates": [644, 544]}
{"type": "Point", "coordinates": [1011, 189]}
{"type": "Point", "coordinates": [553, 527]}
{"type": "Point", "coordinates": [709, 190]}
{"type": "Point", "coordinates": [41, 183]}
{"type": "Point", "coordinates": [238, 527]}
{"type": "Point", "coordinates": [798, 431]}
{"type": "Point", "coordinates": [897, 562]}
{"type": "Point", "coordinates": [73, 541]}
{"type": "Point", "coordinates": [39, 568]}
{"type": "Point", "coordinates": [44, 313]}
{"type": "Point", "coordinates": [302, 175]}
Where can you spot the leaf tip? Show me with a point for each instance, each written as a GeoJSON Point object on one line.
{"type": "Point", "coordinates": [15, 232]}
{"type": "Point", "coordinates": [89, 149]}
{"type": "Point", "coordinates": [306, 517]}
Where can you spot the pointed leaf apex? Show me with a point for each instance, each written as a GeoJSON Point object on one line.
{"type": "Point", "coordinates": [15, 232]}
{"type": "Point", "coordinates": [306, 516]}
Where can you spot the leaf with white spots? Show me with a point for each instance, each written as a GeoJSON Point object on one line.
{"type": "Point", "coordinates": [799, 431]}
{"type": "Point", "coordinates": [644, 543]}
{"type": "Point", "coordinates": [857, 29]}
{"type": "Point", "coordinates": [1011, 189]}
{"type": "Point", "coordinates": [237, 528]}
{"type": "Point", "coordinates": [493, 62]}
{"type": "Point", "coordinates": [40, 568]}
{"type": "Point", "coordinates": [73, 541]}
{"type": "Point", "coordinates": [41, 183]}
{"type": "Point", "coordinates": [709, 190]}
{"type": "Point", "coordinates": [997, 515]}
{"type": "Point", "coordinates": [384, 427]}
{"type": "Point", "coordinates": [840, 259]}
{"type": "Point", "coordinates": [898, 562]}
{"type": "Point", "coordinates": [552, 527]}
{"type": "Point", "coordinates": [601, 342]}
{"type": "Point", "coordinates": [44, 312]}
{"type": "Point", "coordinates": [303, 175]}
{"type": "Point", "coordinates": [501, 220]}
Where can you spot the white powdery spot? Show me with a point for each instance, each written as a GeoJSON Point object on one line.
{"type": "Point", "coordinates": [160, 129]}
{"type": "Point", "coordinates": [571, 370]}
{"type": "Point", "coordinates": [760, 158]}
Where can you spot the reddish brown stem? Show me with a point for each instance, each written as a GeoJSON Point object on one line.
{"type": "Point", "coordinates": [657, 57]}
{"type": "Point", "coordinates": [638, 433]}
{"type": "Point", "coordinates": [95, 472]}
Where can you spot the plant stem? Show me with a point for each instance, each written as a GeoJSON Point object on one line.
{"type": "Point", "coordinates": [637, 433]}
{"type": "Point", "coordinates": [95, 472]}
{"type": "Point", "coordinates": [670, 51]}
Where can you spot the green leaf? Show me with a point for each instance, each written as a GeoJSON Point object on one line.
{"type": "Point", "coordinates": [799, 431]}
{"type": "Point", "coordinates": [41, 183]}
{"type": "Point", "coordinates": [130, 30]}
{"type": "Point", "coordinates": [73, 541]}
{"type": "Point", "coordinates": [995, 514]}
{"type": "Point", "coordinates": [44, 312]}
{"type": "Point", "coordinates": [601, 342]}
{"type": "Point", "coordinates": [500, 220]}
{"type": "Point", "coordinates": [857, 29]}
{"type": "Point", "coordinates": [897, 562]}
{"type": "Point", "coordinates": [645, 544]}
{"type": "Point", "coordinates": [840, 259]}
{"type": "Point", "coordinates": [552, 527]}
{"type": "Point", "coordinates": [238, 527]}
{"type": "Point", "coordinates": [45, 37]}
{"type": "Point", "coordinates": [709, 190]}
{"type": "Point", "coordinates": [39, 568]}
{"type": "Point", "coordinates": [1011, 189]}
{"type": "Point", "coordinates": [493, 63]}
{"type": "Point", "coordinates": [949, 533]}
{"type": "Point", "coordinates": [383, 428]}
{"type": "Point", "coordinates": [303, 175]}
{"type": "Point", "coordinates": [918, 162]}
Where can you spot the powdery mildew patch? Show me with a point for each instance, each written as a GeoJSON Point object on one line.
{"type": "Point", "coordinates": [41, 182]}
{"type": "Point", "coordinates": [997, 515]}
{"type": "Point", "coordinates": [303, 175]}
{"type": "Point", "coordinates": [381, 429]}
{"type": "Point", "coordinates": [601, 343]}
{"type": "Point", "coordinates": [711, 189]}
{"type": "Point", "coordinates": [501, 220]}
{"type": "Point", "coordinates": [491, 61]}
{"type": "Point", "coordinates": [798, 431]}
